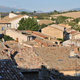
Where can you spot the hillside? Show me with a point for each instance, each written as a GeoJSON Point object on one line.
{"type": "Point", "coordinates": [70, 14]}
{"type": "Point", "coordinates": [76, 9]}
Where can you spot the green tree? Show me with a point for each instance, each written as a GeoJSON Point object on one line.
{"type": "Point", "coordinates": [28, 24]}
{"type": "Point", "coordinates": [22, 24]}
{"type": "Point", "coordinates": [72, 23]}
{"type": "Point", "coordinates": [76, 20]}
{"type": "Point", "coordinates": [61, 19]}
{"type": "Point", "coordinates": [55, 12]}
{"type": "Point", "coordinates": [42, 26]}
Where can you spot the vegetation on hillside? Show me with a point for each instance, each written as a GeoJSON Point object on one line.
{"type": "Point", "coordinates": [74, 24]}
{"type": "Point", "coordinates": [41, 15]}
{"type": "Point", "coordinates": [60, 19]}
{"type": "Point", "coordinates": [46, 15]}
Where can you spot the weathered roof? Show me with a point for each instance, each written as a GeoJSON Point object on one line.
{"type": "Point", "coordinates": [8, 71]}
{"type": "Point", "coordinates": [55, 26]}
{"type": "Point", "coordinates": [58, 58]}
{"type": "Point", "coordinates": [3, 52]}
{"type": "Point", "coordinates": [7, 19]}
{"type": "Point", "coordinates": [27, 59]}
{"type": "Point", "coordinates": [53, 57]}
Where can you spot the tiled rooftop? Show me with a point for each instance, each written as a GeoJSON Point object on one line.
{"type": "Point", "coordinates": [8, 71]}
{"type": "Point", "coordinates": [53, 57]}
{"type": "Point", "coordinates": [58, 58]}
{"type": "Point", "coordinates": [55, 26]}
{"type": "Point", "coordinates": [8, 20]}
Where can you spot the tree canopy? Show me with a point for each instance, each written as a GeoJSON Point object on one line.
{"type": "Point", "coordinates": [28, 24]}
{"type": "Point", "coordinates": [61, 19]}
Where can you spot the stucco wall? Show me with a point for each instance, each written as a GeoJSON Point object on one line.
{"type": "Point", "coordinates": [77, 36]}
{"type": "Point", "coordinates": [5, 26]}
{"type": "Point", "coordinates": [11, 15]}
{"type": "Point", "coordinates": [14, 23]}
{"type": "Point", "coordinates": [14, 34]}
{"type": "Point", "coordinates": [53, 32]}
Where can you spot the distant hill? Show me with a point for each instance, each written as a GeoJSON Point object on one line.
{"type": "Point", "coordinates": [76, 9]}
{"type": "Point", "coordinates": [8, 9]}
{"type": "Point", "coordinates": [69, 14]}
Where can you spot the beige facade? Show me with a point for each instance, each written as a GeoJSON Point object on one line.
{"type": "Point", "coordinates": [15, 34]}
{"type": "Point", "coordinates": [15, 23]}
{"type": "Point", "coordinates": [53, 31]}
{"type": "Point", "coordinates": [75, 35]}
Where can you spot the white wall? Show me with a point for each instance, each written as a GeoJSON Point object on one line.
{"type": "Point", "coordinates": [14, 23]}
{"type": "Point", "coordinates": [11, 15]}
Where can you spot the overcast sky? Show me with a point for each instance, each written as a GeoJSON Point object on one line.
{"type": "Point", "coordinates": [42, 5]}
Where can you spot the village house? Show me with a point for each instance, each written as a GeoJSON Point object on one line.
{"type": "Point", "coordinates": [11, 21]}
{"type": "Point", "coordinates": [18, 35]}
{"type": "Point", "coordinates": [74, 35]}
{"type": "Point", "coordinates": [55, 31]}
{"type": "Point", "coordinates": [71, 42]}
{"type": "Point", "coordinates": [43, 40]}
